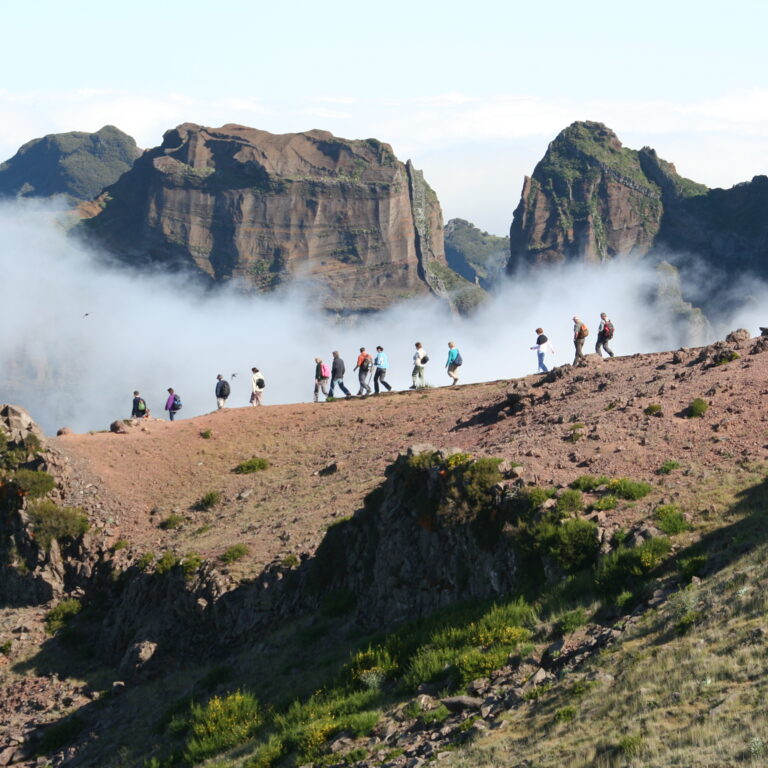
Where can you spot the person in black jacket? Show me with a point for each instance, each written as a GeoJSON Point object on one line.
{"type": "Point", "coordinates": [542, 346]}
{"type": "Point", "coordinates": [222, 391]}
{"type": "Point", "coordinates": [338, 370]}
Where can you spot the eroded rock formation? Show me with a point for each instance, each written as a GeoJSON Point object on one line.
{"type": "Point", "coordinates": [235, 203]}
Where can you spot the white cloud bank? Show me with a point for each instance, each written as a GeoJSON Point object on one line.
{"type": "Point", "coordinates": [152, 332]}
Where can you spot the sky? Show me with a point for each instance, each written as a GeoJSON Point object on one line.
{"type": "Point", "coordinates": [471, 92]}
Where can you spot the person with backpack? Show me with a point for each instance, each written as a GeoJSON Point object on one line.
{"type": "Point", "coordinates": [139, 410]}
{"type": "Point", "coordinates": [453, 362]}
{"type": "Point", "coordinates": [580, 333]}
{"type": "Point", "coordinates": [363, 366]}
{"type": "Point", "coordinates": [172, 404]}
{"type": "Point", "coordinates": [222, 391]}
{"type": "Point", "coordinates": [604, 335]}
{"type": "Point", "coordinates": [322, 375]}
{"type": "Point", "coordinates": [420, 359]}
{"type": "Point", "coordinates": [338, 369]}
{"type": "Point", "coordinates": [542, 347]}
{"type": "Point", "coordinates": [257, 386]}
{"type": "Point", "coordinates": [381, 363]}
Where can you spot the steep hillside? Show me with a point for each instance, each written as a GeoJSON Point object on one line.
{"type": "Point", "coordinates": [236, 203]}
{"type": "Point", "coordinates": [538, 535]}
{"type": "Point", "coordinates": [77, 164]}
{"type": "Point", "coordinates": [475, 255]}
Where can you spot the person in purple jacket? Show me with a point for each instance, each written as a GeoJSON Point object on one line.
{"type": "Point", "coordinates": [172, 404]}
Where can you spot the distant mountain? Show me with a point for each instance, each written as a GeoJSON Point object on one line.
{"type": "Point", "coordinates": [77, 164]}
{"type": "Point", "coordinates": [474, 254]}
{"type": "Point", "coordinates": [592, 198]}
{"type": "Point", "coordinates": [236, 203]}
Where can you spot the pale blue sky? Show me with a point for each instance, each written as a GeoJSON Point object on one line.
{"type": "Point", "coordinates": [472, 91]}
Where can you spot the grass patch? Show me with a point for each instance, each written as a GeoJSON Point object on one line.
{"type": "Point", "coordinates": [208, 500]}
{"type": "Point", "coordinates": [589, 483]}
{"type": "Point", "coordinates": [167, 562]}
{"type": "Point", "coordinates": [654, 409]}
{"type": "Point", "coordinates": [145, 561]}
{"type": "Point", "coordinates": [51, 522]}
{"type": "Point", "coordinates": [624, 569]}
{"type": "Point", "coordinates": [234, 553]}
{"type": "Point", "coordinates": [60, 615]}
{"type": "Point", "coordinates": [256, 464]}
{"type": "Point", "coordinates": [206, 434]}
{"type": "Point", "coordinates": [570, 502]}
{"type": "Point", "coordinates": [604, 503]}
{"type": "Point", "coordinates": [667, 467]}
{"type": "Point", "coordinates": [670, 519]}
{"type": "Point", "coordinates": [171, 522]}
{"type": "Point", "coordinates": [628, 489]}
{"type": "Point", "coordinates": [31, 483]}
{"type": "Point", "coordinates": [120, 544]}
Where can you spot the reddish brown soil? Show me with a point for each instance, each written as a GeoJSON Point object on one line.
{"type": "Point", "coordinates": [140, 478]}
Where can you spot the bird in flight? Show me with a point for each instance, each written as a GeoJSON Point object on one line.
{"type": "Point", "coordinates": [86, 314]}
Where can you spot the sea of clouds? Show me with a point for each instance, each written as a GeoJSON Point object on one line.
{"type": "Point", "coordinates": [79, 336]}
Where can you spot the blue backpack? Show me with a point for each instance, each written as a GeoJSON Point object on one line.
{"type": "Point", "coordinates": [176, 403]}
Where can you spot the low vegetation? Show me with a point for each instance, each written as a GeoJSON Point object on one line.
{"type": "Point", "coordinates": [208, 500]}
{"type": "Point", "coordinates": [61, 614]}
{"type": "Point", "coordinates": [668, 466]}
{"type": "Point", "coordinates": [256, 464]}
{"type": "Point", "coordinates": [50, 522]}
{"type": "Point", "coordinates": [234, 553]}
{"type": "Point", "coordinates": [697, 408]}
{"type": "Point", "coordinates": [32, 483]}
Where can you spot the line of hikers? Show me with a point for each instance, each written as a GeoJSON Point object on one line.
{"type": "Point", "coordinates": [543, 346]}
{"type": "Point", "coordinates": [375, 368]}
{"type": "Point", "coordinates": [222, 391]}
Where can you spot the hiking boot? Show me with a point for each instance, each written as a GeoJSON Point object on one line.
{"type": "Point", "coordinates": [413, 386]}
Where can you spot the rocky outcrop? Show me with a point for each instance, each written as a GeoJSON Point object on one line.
{"type": "Point", "coordinates": [77, 164]}
{"type": "Point", "coordinates": [240, 204]}
{"type": "Point", "coordinates": [592, 198]}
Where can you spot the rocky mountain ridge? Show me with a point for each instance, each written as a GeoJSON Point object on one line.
{"type": "Point", "coordinates": [239, 204]}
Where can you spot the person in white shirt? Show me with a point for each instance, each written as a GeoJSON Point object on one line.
{"type": "Point", "coordinates": [542, 347]}
{"type": "Point", "coordinates": [257, 387]}
{"type": "Point", "coordinates": [420, 359]}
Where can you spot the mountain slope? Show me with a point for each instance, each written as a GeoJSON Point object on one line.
{"type": "Point", "coordinates": [77, 164]}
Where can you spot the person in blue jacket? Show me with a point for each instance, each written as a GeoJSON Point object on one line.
{"type": "Point", "coordinates": [381, 364]}
{"type": "Point", "coordinates": [453, 362]}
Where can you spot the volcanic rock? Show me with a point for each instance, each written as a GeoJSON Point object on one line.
{"type": "Point", "coordinates": [236, 203]}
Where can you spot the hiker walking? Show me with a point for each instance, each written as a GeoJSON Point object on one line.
{"type": "Point", "coordinates": [542, 347]}
{"type": "Point", "coordinates": [363, 366]}
{"type": "Point", "coordinates": [222, 391]}
{"type": "Point", "coordinates": [453, 362]}
{"type": "Point", "coordinates": [338, 369]}
{"type": "Point", "coordinates": [580, 333]}
{"type": "Point", "coordinates": [381, 364]}
{"type": "Point", "coordinates": [322, 375]}
{"type": "Point", "coordinates": [420, 359]}
{"type": "Point", "coordinates": [139, 410]}
{"type": "Point", "coordinates": [604, 335]}
{"type": "Point", "coordinates": [257, 387]}
{"type": "Point", "coordinates": [172, 404]}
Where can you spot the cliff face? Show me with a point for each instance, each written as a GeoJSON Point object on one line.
{"type": "Point", "coordinates": [476, 255]}
{"type": "Point", "coordinates": [239, 203]}
{"type": "Point", "coordinates": [590, 197]}
{"type": "Point", "coordinates": [78, 165]}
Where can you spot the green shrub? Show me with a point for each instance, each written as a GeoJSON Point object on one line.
{"type": "Point", "coordinates": [667, 467]}
{"type": "Point", "coordinates": [60, 615]}
{"type": "Point", "coordinates": [375, 659]}
{"type": "Point", "coordinates": [623, 568]}
{"type": "Point", "coordinates": [5, 648]}
{"type": "Point", "coordinates": [692, 566]}
{"type": "Point", "coordinates": [62, 733]}
{"type": "Point", "coordinates": [290, 561]}
{"type": "Point", "coordinates": [50, 522]}
{"type": "Point", "coordinates": [222, 723]}
{"type": "Point", "coordinates": [726, 357]}
{"type": "Point", "coordinates": [589, 483]}
{"type": "Point", "coordinates": [120, 544]}
{"type": "Point", "coordinates": [624, 600]}
{"type": "Point", "coordinates": [208, 500]}
{"type": "Point", "coordinates": [435, 716]}
{"type": "Point", "coordinates": [625, 488]}
{"type": "Point", "coordinates": [268, 753]}
{"type": "Point", "coordinates": [670, 519]}
{"type": "Point", "coordinates": [32, 483]}
{"type": "Point", "coordinates": [191, 563]}
{"type": "Point", "coordinates": [697, 408]}
{"type": "Point", "coordinates": [255, 464]}
{"type": "Point", "coordinates": [145, 561]}
{"type": "Point", "coordinates": [571, 621]}
{"type": "Point", "coordinates": [620, 537]}
{"type": "Point", "coordinates": [171, 522]}
{"type": "Point", "coordinates": [630, 745]}
{"type": "Point", "coordinates": [604, 503]}
{"type": "Point", "coordinates": [167, 562]}
{"type": "Point", "coordinates": [206, 434]}
{"type": "Point", "coordinates": [569, 503]}
{"type": "Point", "coordinates": [575, 432]}
{"type": "Point", "coordinates": [573, 544]}
{"type": "Point", "coordinates": [234, 553]}
{"type": "Point", "coordinates": [653, 410]}
{"type": "Point", "coordinates": [565, 714]}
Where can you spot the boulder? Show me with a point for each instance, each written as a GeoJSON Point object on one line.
{"type": "Point", "coordinates": [739, 336]}
{"type": "Point", "coordinates": [135, 662]}
{"type": "Point", "coordinates": [118, 427]}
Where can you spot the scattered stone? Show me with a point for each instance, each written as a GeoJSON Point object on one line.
{"type": "Point", "coordinates": [460, 703]}
{"type": "Point", "coordinates": [63, 431]}
{"type": "Point", "coordinates": [118, 427]}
